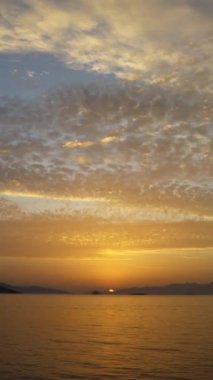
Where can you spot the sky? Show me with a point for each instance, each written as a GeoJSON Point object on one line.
{"type": "Point", "coordinates": [106, 142]}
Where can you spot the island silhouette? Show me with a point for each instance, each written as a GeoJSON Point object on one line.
{"type": "Point", "coordinates": [188, 288]}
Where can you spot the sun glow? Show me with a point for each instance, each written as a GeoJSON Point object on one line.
{"type": "Point", "coordinates": [111, 291]}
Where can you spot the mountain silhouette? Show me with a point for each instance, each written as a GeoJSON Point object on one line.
{"type": "Point", "coordinates": [33, 289]}
{"type": "Point", "coordinates": [188, 288]}
{"type": "Point", "coordinates": [4, 288]}
{"type": "Point", "coordinates": [192, 288]}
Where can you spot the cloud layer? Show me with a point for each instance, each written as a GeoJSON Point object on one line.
{"type": "Point", "coordinates": [135, 151]}
{"type": "Point", "coordinates": [159, 40]}
{"type": "Point", "coordinates": [146, 146]}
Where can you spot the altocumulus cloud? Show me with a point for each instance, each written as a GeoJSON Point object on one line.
{"type": "Point", "coordinates": [141, 143]}
{"type": "Point", "coordinates": [156, 40]}
{"type": "Point", "coordinates": [142, 146]}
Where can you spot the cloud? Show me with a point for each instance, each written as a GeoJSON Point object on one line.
{"type": "Point", "coordinates": [77, 144]}
{"type": "Point", "coordinates": [80, 237]}
{"type": "Point", "coordinates": [10, 210]}
{"type": "Point", "coordinates": [141, 143]}
{"type": "Point", "coordinates": [112, 169]}
{"type": "Point", "coordinates": [86, 144]}
{"type": "Point", "coordinates": [155, 40]}
{"type": "Point", "coordinates": [146, 146]}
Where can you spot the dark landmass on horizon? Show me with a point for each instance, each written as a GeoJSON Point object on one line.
{"type": "Point", "coordinates": [33, 289]}
{"type": "Point", "coordinates": [191, 288]}
{"type": "Point", "coordinates": [170, 289]}
{"type": "Point", "coordinates": [4, 288]}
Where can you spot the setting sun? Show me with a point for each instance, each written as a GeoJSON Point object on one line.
{"type": "Point", "coordinates": [111, 291]}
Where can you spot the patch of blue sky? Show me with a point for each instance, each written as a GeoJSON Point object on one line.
{"type": "Point", "coordinates": [28, 75]}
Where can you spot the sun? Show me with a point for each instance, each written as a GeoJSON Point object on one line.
{"type": "Point", "coordinates": [111, 291]}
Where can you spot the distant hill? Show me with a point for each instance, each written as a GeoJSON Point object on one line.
{"type": "Point", "coordinates": [170, 289]}
{"type": "Point", "coordinates": [178, 289]}
{"type": "Point", "coordinates": [6, 288]}
{"type": "Point", "coordinates": [40, 290]}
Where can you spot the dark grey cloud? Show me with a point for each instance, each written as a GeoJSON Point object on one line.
{"type": "Point", "coordinates": [205, 6]}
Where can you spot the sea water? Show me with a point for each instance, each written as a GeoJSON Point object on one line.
{"type": "Point", "coordinates": [106, 337]}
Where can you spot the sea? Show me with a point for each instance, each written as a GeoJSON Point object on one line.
{"type": "Point", "coordinates": [49, 337]}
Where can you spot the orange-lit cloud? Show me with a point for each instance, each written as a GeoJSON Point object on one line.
{"type": "Point", "coordinates": [116, 168]}
{"type": "Point", "coordinates": [141, 146]}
